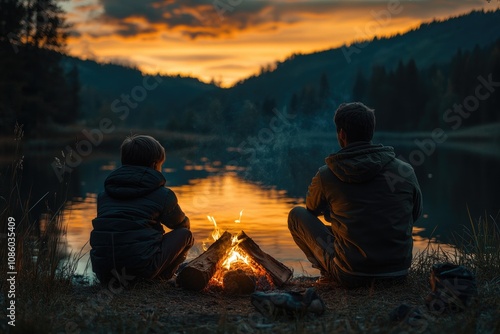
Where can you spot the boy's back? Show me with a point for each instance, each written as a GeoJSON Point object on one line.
{"type": "Point", "coordinates": [128, 231]}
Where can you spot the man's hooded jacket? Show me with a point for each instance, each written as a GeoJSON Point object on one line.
{"type": "Point", "coordinates": [372, 200]}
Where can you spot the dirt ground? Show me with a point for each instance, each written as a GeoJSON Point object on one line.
{"type": "Point", "coordinates": [160, 307]}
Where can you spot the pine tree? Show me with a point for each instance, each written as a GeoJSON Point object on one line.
{"type": "Point", "coordinates": [33, 86]}
{"type": "Point", "coordinates": [294, 104]}
{"type": "Point", "coordinates": [268, 105]}
{"type": "Point", "coordinates": [324, 89]}
{"type": "Point", "coordinates": [359, 90]}
{"type": "Point", "coordinates": [11, 24]}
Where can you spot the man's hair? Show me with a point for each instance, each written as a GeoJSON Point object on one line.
{"type": "Point", "coordinates": [357, 120]}
{"type": "Point", "coordinates": [141, 150]}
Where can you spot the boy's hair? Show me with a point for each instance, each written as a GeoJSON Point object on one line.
{"type": "Point", "coordinates": [357, 120]}
{"type": "Point", "coordinates": [141, 150]}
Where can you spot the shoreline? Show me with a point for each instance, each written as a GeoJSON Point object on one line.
{"type": "Point", "coordinates": [160, 307]}
{"type": "Point", "coordinates": [63, 141]}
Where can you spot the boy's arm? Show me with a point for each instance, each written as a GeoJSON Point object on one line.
{"type": "Point", "coordinates": [173, 217]}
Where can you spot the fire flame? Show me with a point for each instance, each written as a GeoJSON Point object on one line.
{"type": "Point", "coordinates": [236, 259]}
{"type": "Point", "coordinates": [237, 221]}
{"type": "Point", "coordinates": [234, 254]}
{"type": "Point", "coordinates": [216, 232]}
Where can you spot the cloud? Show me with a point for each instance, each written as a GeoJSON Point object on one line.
{"type": "Point", "coordinates": [192, 18]}
{"type": "Point", "coordinates": [87, 7]}
{"type": "Point", "coordinates": [74, 33]}
{"type": "Point", "coordinates": [229, 67]}
{"type": "Point", "coordinates": [210, 19]}
{"type": "Point", "coordinates": [193, 57]}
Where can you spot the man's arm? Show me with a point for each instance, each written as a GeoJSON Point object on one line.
{"type": "Point", "coordinates": [417, 203]}
{"type": "Point", "coordinates": [315, 199]}
{"type": "Point", "coordinates": [173, 217]}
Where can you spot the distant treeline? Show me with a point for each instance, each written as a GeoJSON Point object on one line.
{"type": "Point", "coordinates": [411, 87]}
{"type": "Point", "coordinates": [406, 98]}
{"type": "Point", "coordinates": [409, 98]}
{"type": "Point", "coordinates": [34, 89]}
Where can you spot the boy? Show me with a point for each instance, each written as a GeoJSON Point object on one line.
{"type": "Point", "coordinates": [128, 235]}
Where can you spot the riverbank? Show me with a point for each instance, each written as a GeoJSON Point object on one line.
{"type": "Point", "coordinates": [57, 137]}
{"type": "Point", "coordinates": [94, 140]}
{"type": "Point", "coordinates": [160, 307]}
{"type": "Point", "coordinates": [47, 300]}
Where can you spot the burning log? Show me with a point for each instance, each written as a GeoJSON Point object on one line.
{"type": "Point", "coordinates": [239, 282]}
{"type": "Point", "coordinates": [196, 275]}
{"type": "Point", "coordinates": [280, 274]}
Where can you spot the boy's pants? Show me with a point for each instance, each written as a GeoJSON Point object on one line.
{"type": "Point", "coordinates": [174, 247]}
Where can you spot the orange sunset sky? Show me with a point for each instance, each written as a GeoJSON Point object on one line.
{"type": "Point", "coordinates": [228, 40]}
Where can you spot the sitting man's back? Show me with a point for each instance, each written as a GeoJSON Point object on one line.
{"type": "Point", "coordinates": [371, 200]}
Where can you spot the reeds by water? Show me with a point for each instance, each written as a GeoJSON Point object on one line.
{"type": "Point", "coordinates": [44, 267]}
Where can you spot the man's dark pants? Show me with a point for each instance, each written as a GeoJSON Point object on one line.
{"type": "Point", "coordinates": [317, 242]}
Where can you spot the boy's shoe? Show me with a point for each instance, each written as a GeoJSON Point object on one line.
{"type": "Point", "coordinates": [324, 279]}
{"type": "Point", "coordinates": [181, 266]}
{"type": "Point", "coordinates": [172, 281]}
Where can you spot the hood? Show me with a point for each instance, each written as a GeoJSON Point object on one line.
{"type": "Point", "coordinates": [359, 162]}
{"type": "Point", "coordinates": [132, 182]}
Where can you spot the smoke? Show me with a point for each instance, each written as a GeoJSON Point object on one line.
{"type": "Point", "coordinates": [291, 157]}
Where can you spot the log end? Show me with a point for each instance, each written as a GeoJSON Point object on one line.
{"type": "Point", "coordinates": [192, 279]}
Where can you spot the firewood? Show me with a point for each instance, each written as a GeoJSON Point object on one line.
{"type": "Point", "coordinates": [197, 273]}
{"type": "Point", "coordinates": [239, 282]}
{"type": "Point", "coordinates": [280, 274]}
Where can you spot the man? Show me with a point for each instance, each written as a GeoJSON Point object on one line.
{"type": "Point", "coordinates": [371, 199]}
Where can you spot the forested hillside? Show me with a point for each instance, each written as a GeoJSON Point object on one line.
{"type": "Point", "coordinates": [411, 80]}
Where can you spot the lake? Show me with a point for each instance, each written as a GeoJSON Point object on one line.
{"type": "Point", "coordinates": [454, 179]}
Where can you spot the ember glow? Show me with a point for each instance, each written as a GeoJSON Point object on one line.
{"type": "Point", "coordinates": [236, 260]}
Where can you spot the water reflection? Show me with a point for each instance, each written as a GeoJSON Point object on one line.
{"type": "Point", "coordinates": [452, 181]}
{"type": "Point", "coordinates": [222, 196]}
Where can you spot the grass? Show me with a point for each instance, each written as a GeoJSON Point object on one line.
{"type": "Point", "coordinates": [157, 307]}
{"type": "Point", "coordinates": [48, 301]}
{"type": "Point", "coordinates": [43, 266]}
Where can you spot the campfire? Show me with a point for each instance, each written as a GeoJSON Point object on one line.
{"type": "Point", "coordinates": [235, 264]}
